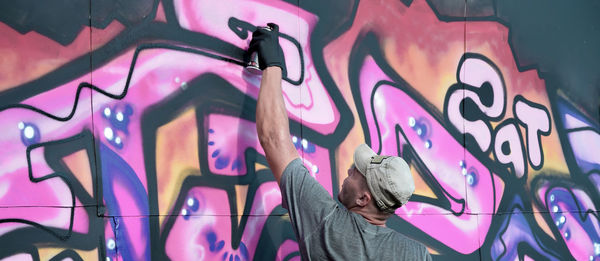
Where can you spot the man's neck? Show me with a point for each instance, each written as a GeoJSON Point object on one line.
{"type": "Point", "coordinates": [376, 219]}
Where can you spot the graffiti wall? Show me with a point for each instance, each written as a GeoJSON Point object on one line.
{"type": "Point", "coordinates": [128, 127]}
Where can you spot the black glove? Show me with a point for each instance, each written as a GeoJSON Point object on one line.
{"type": "Point", "coordinates": [266, 43]}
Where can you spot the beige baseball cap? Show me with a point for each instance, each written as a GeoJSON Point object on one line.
{"type": "Point", "coordinates": [388, 177]}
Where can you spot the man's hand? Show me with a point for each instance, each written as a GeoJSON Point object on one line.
{"type": "Point", "coordinates": [272, 124]}
{"type": "Point", "coordinates": [266, 43]}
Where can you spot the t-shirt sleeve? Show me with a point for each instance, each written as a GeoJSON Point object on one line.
{"type": "Point", "coordinates": [424, 253]}
{"type": "Point", "coordinates": [307, 202]}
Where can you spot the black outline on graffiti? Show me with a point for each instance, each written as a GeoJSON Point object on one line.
{"type": "Point", "coordinates": [538, 133]}
{"type": "Point", "coordinates": [245, 27]}
{"type": "Point", "coordinates": [469, 139]}
{"type": "Point", "coordinates": [555, 96]}
{"type": "Point", "coordinates": [367, 44]}
{"type": "Point", "coordinates": [224, 99]}
{"type": "Point", "coordinates": [511, 166]}
{"type": "Point", "coordinates": [501, 225]}
{"type": "Point", "coordinates": [575, 172]}
{"type": "Point", "coordinates": [552, 182]}
{"type": "Point", "coordinates": [54, 152]}
{"type": "Point", "coordinates": [67, 254]}
{"type": "Point", "coordinates": [149, 29]}
{"type": "Point", "coordinates": [124, 92]}
{"type": "Point", "coordinates": [443, 197]}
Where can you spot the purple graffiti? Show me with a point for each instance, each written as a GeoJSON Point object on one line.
{"type": "Point", "coordinates": [129, 133]}
{"type": "Point", "coordinates": [203, 232]}
{"type": "Point", "coordinates": [309, 101]}
{"type": "Point", "coordinates": [574, 219]}
{"type": "Point", "coordinates": [228, 138]}
{"type": "Point", "coordinates": [459, 173]}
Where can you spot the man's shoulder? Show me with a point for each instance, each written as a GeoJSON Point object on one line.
{"type": "Point", "coordinates": [293, 171]}
{"type": "Point", "coordinates": [294, 166]}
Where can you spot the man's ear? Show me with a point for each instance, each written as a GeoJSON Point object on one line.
{"type": "Point", "coordinates": [364, 199]}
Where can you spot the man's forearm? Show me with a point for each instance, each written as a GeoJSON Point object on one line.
{"type": "Point", "coordinates": [272, 123]}
{"type": "Point", "coordinates": [271, 115]}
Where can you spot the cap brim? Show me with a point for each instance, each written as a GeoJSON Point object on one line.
{"type": "Point", "coordinates": [362, 157]}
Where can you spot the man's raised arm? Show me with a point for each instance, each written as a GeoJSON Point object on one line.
{"type": "Point", "coordinates": [272, 123]}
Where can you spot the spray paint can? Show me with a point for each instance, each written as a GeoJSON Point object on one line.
{"type": "Point", "coordinates": [253, 66]}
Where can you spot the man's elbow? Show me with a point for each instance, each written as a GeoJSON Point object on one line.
{"type": "Point", "coordinates": [272, 139]}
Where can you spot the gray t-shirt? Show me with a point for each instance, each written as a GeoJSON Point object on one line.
{"type": "Point", "coordinates": [326, 231]}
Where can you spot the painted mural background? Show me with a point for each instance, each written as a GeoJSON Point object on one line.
{"type": "Point", "coordinates": [128, 127]}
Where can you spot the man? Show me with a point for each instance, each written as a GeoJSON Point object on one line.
{"type": "Point", "coordinates": [375, 187]}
